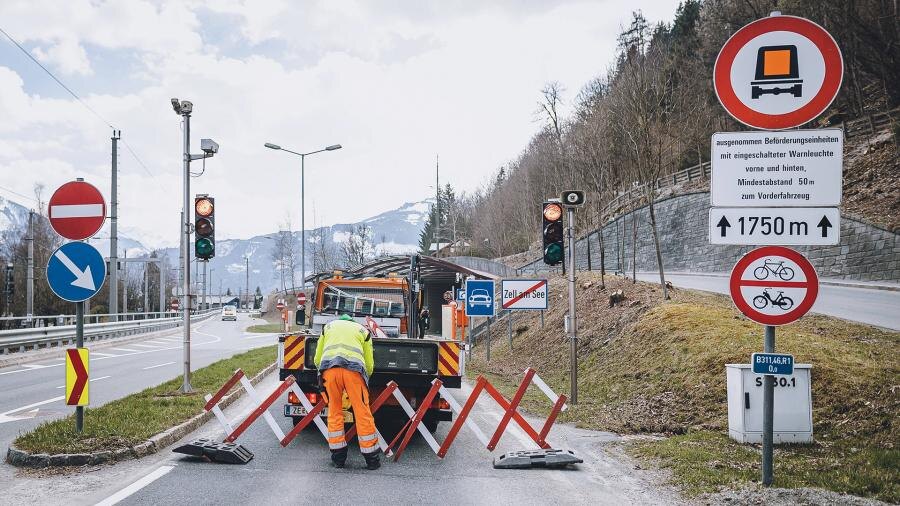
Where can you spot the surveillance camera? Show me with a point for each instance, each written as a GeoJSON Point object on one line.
{"type": "Point", "coordinates": [209, 146]}
{"type": "Point", "coordinates": [187, 106]}
{"type": "Point", "coordinates": [572, 198]}
{"type": "Point", "coordinates": [176, 105]}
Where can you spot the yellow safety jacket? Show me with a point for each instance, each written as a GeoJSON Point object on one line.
{"type": "Point", "coordinates": [345, 344]}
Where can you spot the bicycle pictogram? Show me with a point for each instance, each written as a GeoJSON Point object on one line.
{"type": "Point", "coordinates": [775, 268]}
{"type": "Point", "coordinates": [761, 301]}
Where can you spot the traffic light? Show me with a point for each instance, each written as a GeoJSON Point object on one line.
{"type": "Point", "coordinates": [204, 227]}
{"type": "Point", "coordinates": [10, 285]}
{"type": "Point", "coordinates": [553, 233]}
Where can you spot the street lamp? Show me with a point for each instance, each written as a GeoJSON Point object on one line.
{"type": "Point", "coordinates": [303, 156]}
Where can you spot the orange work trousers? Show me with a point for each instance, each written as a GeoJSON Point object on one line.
{"type": "Point", "coordinates": [337, 381]}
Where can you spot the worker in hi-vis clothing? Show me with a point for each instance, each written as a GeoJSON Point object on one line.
{"type": "Point", "coordinates": [345, 361]}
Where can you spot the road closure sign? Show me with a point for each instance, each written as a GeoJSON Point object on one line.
{"type": "Point", "coordinates": [757, 169]}
{"type": "Point", "coordinates": [773, 285]}
{"type": "Point", "coordinates": [77, 210]}
{"type": "Point", "coordinates": [784, 226]}
{"type": "Point", "coordinates": [778, 72]}
{"type": "Point", "coordinates": [524, 294]}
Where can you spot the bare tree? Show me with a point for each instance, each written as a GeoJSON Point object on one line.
{"type": "Point", "coordinates": [357, 248]}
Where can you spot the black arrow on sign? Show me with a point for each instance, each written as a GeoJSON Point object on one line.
{"type": "Point", "coordinates": [723, 225]}
{"type": "Point", "coordinates": [824, 224]}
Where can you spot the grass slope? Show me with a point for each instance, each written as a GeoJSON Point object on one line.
{"type": "Point", "coordinates": [131, 420]}
{"type": "Point", "coordinates": [648, 366]}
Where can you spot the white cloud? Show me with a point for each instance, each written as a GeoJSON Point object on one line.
{"type": "Point", "coordinates": [67, 55]}
{"type": "Point", "coordinates": [395, 83]}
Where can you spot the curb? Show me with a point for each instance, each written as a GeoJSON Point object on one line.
{"type": "Point", "coordinates": [155, 443]}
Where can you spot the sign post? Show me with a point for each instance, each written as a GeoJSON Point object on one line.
{"type": "Point", "coordinates": [75, 272]}
{"type": "Point", "coordinates": [570, 200]}
{"type": "Point", "coordinates": [776, 188]}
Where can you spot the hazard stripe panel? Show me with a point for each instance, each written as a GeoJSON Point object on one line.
{"type": "Point", "coordinates": [448, 359]}
{"type": "Point", "coordinates": [293, 352]}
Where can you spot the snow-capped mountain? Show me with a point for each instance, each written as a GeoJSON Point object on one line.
{"type": "Point", "coordinates": [392, 232]}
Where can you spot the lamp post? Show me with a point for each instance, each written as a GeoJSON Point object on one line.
{"type": "Point", "coordinates": [302, 201]}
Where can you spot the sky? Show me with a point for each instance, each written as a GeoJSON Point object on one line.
{"type": "Point", "coordinates": [396, 83]}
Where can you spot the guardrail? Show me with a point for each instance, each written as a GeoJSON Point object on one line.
{"type": "Point", "coordinates": [22, 322]}
{"type": "Point", "coordinates": [44, 337]}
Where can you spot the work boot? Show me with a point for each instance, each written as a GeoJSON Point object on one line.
{"type": "Point", "coordinates": [372, 460]}
{"type": "Point", "coordinates": [339, 457]}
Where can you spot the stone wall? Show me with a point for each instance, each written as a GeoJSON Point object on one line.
{"type": "Point", "coordinates": [865, 252]}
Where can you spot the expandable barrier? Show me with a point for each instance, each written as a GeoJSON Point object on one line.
{"type": "Point", "coordinates": [403, 438]}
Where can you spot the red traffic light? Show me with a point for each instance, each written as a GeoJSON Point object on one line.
{"type": "Point", "coordinates": [203, 207]}
{"type": "Point", "coordinates": [552, 212]}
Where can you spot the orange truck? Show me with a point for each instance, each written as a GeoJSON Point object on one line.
{"type": "Point", "coordinates": [412, 363]}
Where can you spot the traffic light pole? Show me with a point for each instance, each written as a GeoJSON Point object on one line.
{"type": "Point", "coordinates": [572, 326]}
{"type": "Point", "coordinates": [186, 240]}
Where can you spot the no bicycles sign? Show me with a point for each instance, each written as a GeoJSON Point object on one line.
{"type": "Point", "coordinates": [774, 285]}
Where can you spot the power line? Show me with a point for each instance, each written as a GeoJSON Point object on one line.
{"type": "Point", "coordinates": [19, 194]}
{"type": "Point", "coordinates": [82, 102]}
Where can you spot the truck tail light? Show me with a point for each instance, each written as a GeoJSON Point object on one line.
{"type": "Point", "coordinates": [313, 398]}
{"type": "Point", "coordinates": [292, 398]}
{"type": "Point", "coordinates": [443, 404]}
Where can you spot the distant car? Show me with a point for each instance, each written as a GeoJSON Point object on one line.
{"type": "Point", "coordinates": [229, 313]}
{"type": "Point", "coordinates": [480, 297]}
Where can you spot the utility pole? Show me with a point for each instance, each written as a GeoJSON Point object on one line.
{"type": "Point", "coordinates": [29, 275]}
{"type": "Point", "coordinates": [203, 303]}
{"type": "Point", "coordinates": [114, 230]}
{"type": "Point", "coordinates": [437, 203]}
{"type": "Point", "coordinates": [125, 285]}
{"type": "Point", "coordinates": [146, 287]}
{"type": "Point", "coordinates": [247, 268]}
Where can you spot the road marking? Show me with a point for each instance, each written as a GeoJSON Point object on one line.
{"type": "Point", "coordinates": [92, 380]}
{"type": "Point", "coordinates": [163, 343]}
{"type": "Point", "coordinates": [125, 350]}
{"type": "Point", "coordinates": [152, 349]}
{"type": "Point", "coordinates": [147, 346]}
{"type": "Point", "coordinates": [134, 487]}
{"type": "Point", "coordinates": [158, 365]}
{"type": "Point", "coordinates": [99, 354]}
{"type": "Point", "coordinates": [7, 417]}
{"type": "Point", "coordinates": [34, 366]}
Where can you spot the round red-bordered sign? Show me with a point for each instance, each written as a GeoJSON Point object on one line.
{"type": "Point", "coordinates": [805, 60]}
{"type": "Point", "coordinates": [774, 285]}
{"type": "Point", "coordinates": [279, 306]}
{"type": "Point", "coordinates": [77, 210]}
{"type": "Point", "coordinates": [301, 298]}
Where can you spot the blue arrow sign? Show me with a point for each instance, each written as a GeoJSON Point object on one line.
{"type": "Point", "coordinates": [76, 271]}
{"type": "Point", "coordinates": [772, 363]}
{"type": "Point", "coordinates": [479, 297]}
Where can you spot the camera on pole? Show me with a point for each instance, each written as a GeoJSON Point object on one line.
{"type": "Point", "coordinates": [204, 227]}
{"type": "Point", "coordinates": [553, 232]}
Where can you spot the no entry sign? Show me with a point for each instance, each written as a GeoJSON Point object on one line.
{"type": "Point", "coordinates": [279, 306]}
{"type": "Point", "coordinates": [778, 72]}
{"type": "Point", "coordinates": [301, 299]}
{"type": "Point", "coordinates": [77, 210]}
{"type": "Point", "coordinates": [774, 285]}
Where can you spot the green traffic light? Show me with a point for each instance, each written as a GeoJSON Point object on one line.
{"type": "Point", "coordinates": [204, 248]}
{"type": "Point", "coordinates": [553, 254]}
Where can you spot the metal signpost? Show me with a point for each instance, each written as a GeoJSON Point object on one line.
{"type": "Point", "coordinates": [776, 188]}
{"type": "Point", "coordinates": [75, 272]}
{"type": "Point", "coordinates": [571, 199]}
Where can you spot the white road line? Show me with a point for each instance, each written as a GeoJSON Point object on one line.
{"type": "Point", "coordinates": [152, 349]}
{"type": "Point", "coordinates": [134, 487]}
{"type": "Point", "coordinates": [158, 365]}
{"type": "Point", "coordinates": [92, 380]}
{"type": "Point", "coordinates": [159, 343]}
{"type": "Point", "coordinates": [36, 404]}
{"type": "Point", "coordinates": [125, 350]}
{"type": "Point", "coordinates": [34, 366]}
{"type": "Point", "coordinates": [147, 346]}
{"type": "Point", "coordinates": [99, 354]}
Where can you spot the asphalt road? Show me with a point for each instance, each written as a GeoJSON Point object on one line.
{"type": "Point", "coordinates": [32, 393]}
{"type": "Point", "coordinates": [871, 306]}
{"type": "Point", "coordinates": [302, 473]}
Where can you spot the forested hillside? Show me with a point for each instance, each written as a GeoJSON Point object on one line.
{"type": "Point", "coordinates": [650, 112]}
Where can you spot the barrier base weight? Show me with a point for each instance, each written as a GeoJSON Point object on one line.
{"type": "Point", "coordinates": [536, 458]}
{"type": "Point", "coordinates": [226, 453]}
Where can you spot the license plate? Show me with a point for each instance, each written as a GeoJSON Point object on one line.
{"type": "Point", "coordinates": [294, 410]}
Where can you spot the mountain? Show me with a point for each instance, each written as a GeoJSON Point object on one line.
{"type": "Point", "coordinates": [392, 232]}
